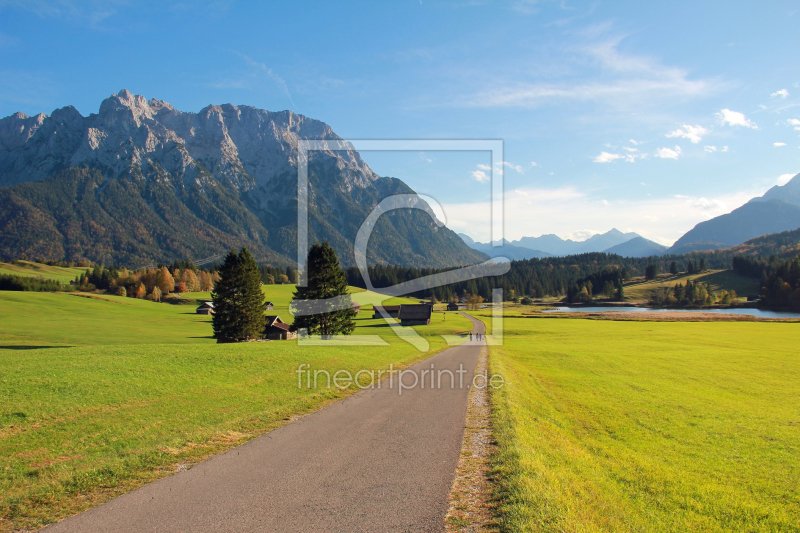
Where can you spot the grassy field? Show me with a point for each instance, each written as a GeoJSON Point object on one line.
{"type": "Point", "coordinates": [718, 279]}
{"type": "Point", "coordinates": [28, 268]}
{"type": "Point", "coordinates": [663, 427]}
{"type": "Point", "coordinates": [132, 390]}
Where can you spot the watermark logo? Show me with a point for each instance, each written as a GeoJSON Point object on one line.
{"type": "Point", "coordinates": [395, 379]}
{"type": "Point", "coordinates": [374, 296]}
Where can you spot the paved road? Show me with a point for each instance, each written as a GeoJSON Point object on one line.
{"type": "Point", "coordinates": [376, 461]}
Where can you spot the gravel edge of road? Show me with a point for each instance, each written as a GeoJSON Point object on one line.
{"type": "Point", "coordinates": [470, 504]}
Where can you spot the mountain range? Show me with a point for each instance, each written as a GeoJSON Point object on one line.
{"type": "Point", "coordinates": [142, 182]}
{"type": "Point", "coordinates": [776, 211]}
{"type": "Point", "coordinates": [613, 241]}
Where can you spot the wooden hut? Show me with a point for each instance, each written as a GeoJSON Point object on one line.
{"type": "Point", "coordinates": [415, 314]}
{"type": "Point", "coordinates": [277, 330]}
{"type": "Point", "coordinates": [207, 308]}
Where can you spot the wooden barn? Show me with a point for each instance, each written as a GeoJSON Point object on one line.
{"type": "Point", "coordinates": [415, 314]}
{"type": "Point", "coordinates": [268, 306]}
{"type": "Point", "coordinates": [207, 308]}
{"type": "Point", "coordinates": [452, 306]}
{"type": "Point", "coordinates": [391, 310]}
{"type": "Point", "coordinates": [277, 330]}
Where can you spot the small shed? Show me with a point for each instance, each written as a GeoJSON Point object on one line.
{"type": "Point", "coordinates": [452, 306]}
{"type": "Point", "coordinates": [391, 310]}
{"type": "Point", "coordinates": [207, 308]}
{"type": "Point", "coordinates": [268, 306]}
{"type": "Point", "coordinates": [276, 329]}
{"type": "Point", "coordinates": [415, 314]}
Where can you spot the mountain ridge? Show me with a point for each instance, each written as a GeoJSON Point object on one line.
{"type": "Point", "coordinates": [227, 168]}
{"type": "Point", "coordinates": [776, 211]}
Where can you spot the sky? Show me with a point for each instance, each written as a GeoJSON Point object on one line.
{"type": "Point", "coordinates": [641, 116]}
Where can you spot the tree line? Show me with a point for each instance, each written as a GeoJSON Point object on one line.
{"type": "Point", "coordinates": [151, 283]}
{"type": "Point", "coordinates": [780, 279]}
{"type": "Point", "coordinates": [549, 276]}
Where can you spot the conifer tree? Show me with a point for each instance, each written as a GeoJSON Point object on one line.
{"type": "Point", "coordinates": [238, 300]}
{"type": "Point", "coordinates": [325, 280]}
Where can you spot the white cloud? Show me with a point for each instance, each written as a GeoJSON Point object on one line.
{"type": "Point", "coordinates": [534, 164]}
{"type": "Point", "coordinates": [480, 176]}
{"type": "Point", "coordinates": [606, 157]}
{"type": "Point", "coordinates": [621, 80]}
{"type": "Point", "coordinates": [628, 148]}
{"type": "Point", "coordinates": [605, 202]}
{"type": "Point", "coordinates": [518, 168]}
{"type": "Point", "coordinates": [424, 157]}
{"type": "Point", "coordinates": [783, 93]}
{"type": "Point", "coordinates": [710, 149]}
{"type": "Point", "coordinates": [635, 143]}
{"type": "Point", "coordinates": [734, 118]}
{"type": "Point", "coordinates": [668, 153]}
{"type": "Point", "coordinates": [724, 148]}
{"type": "Point", "coordinates": [783, 179]}
{"type": "Point", "coordinates": [484, 167]}
{"type": "Point", "coordinates": [778, 144]}
{"type": "Point", "coordinates": [560, 211]}
{"type": "Point", "coordinates": [693, 133]}
{"type": "Point", "coordinates": [794, 122]}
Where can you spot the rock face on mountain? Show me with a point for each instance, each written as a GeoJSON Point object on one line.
{"type": "Point", "coordinates": [776, 211]}
{"type": "Point", "coordinates": [142, 182]}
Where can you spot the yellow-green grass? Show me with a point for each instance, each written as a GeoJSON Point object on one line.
{"type": "Point", "coordinates": [718, 279]}
{"type": "Point", "coordinates": [657, 427]}
{"type": "Point", "coordinates": [82, 423]}
{"type": "Point", "coordinates": [28, 268]}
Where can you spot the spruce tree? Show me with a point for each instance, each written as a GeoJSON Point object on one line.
{"type": "Point", "coordinates": [238, 300]}
{"type": "Point", "coordinates": [325, 280]}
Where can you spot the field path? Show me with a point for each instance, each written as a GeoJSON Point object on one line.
{"type": "Point", "coordinates": [376, 461]}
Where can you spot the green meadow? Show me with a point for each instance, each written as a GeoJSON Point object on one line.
{"type": "Point", "coordinates": [29, 268]}
{"type": "Point", "coordinates": [101, 394]}
{"type": "Point", "coordinates": [717, 279]}
{"type": "Point", "coordinates": [647, 426]}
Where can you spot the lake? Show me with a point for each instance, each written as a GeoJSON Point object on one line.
{"type": "Point", "coordinates": [630, 309]}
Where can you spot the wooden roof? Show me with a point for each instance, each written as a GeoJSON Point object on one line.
{"type": "Point", "coordinates": [273, 320]}
{"type": "Point", "coordinates": [415, 312]}
{"type": "Point", "coordinates": [387, 308]}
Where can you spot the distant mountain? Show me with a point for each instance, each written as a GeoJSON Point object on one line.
{"type": "Point", "coordinates": [778, 210]}
{"type": "Point", "coordinates": [789, 193]}
{"type": "Point", "coordinates": [513, 253]}
{"type": "Point", "coordinates": [637, 247]}
{"type": "Point", "coordinates": [141, 182]}
{"type": "Point", "coordinates": [554, 245]}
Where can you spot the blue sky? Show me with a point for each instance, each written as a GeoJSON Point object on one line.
{"type": "Point", "coordinates": [644, 116]}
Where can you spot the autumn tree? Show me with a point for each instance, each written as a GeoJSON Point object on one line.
{"type": "Point", "coordinates": [165, 281]}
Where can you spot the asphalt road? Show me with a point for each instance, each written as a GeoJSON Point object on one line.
{"type": "Point", "coordinates": [374, 462]}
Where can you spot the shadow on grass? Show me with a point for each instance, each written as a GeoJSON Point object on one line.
{"type": "Point", "coordinates": [27, 347]}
